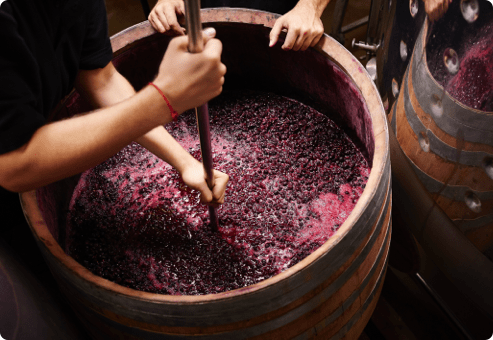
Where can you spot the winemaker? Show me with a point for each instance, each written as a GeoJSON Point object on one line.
{"type": "Point", "coordinates": [50, 46]}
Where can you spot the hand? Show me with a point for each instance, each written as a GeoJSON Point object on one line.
{"type": "Point", "coordinates": [167, 15]}
{"type": "Point", "coordinates": [436, 8]}
{"type": "Point", "coordinates": [191, 79]}
{"type": "Point", "coordinates": [304, 28]}
{"type": "Point", "coordinates": [194, 177]}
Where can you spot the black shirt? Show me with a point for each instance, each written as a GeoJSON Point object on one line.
{"type": "Point", "coordinates": [273, 6]}
{"type": "Point", "coordinates": [44, 44]}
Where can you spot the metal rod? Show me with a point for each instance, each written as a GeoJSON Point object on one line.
{"type": "Point", "coordinates": [355, 24]}
{"type": "Point", "coordinates": [195, 45]}
{"type": "Point", "coordinates": [364, 46]}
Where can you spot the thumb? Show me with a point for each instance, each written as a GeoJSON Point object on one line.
{"type": "Point", "coordinates": [208, 34]}
{"type": "Point", "coordinates": [205, 193]}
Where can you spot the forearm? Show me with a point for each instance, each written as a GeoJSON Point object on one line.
{"type": "Point", "coordinates": [317, 5]}
{"type": "Point", "coordinates": [68, 147]}
{"type": "Point", "coordinates": [162, 144]}
{"type": "Point", "coordinates": [114, 89]}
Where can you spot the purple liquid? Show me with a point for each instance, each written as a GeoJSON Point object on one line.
{"type": "Point", "coordinates": [294, 179]}
{"type": "Point", "coordinates": [472, 85]}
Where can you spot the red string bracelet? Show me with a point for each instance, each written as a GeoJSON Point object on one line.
{"type": "Point", "coordinates": [174, 114]}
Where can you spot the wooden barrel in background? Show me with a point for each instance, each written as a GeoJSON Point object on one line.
{"type": "Point", "coordinates": [450, 147]}
{"type": "Point", "coordinates": [332, 293]}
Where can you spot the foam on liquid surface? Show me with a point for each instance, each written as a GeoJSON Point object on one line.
{"type": "Point", "coordinates": [294, 179]}
{"type": "Point", "coordinates": [472, 85]}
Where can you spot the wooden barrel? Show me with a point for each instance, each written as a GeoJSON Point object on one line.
{"type": "Point", "coordinates": [332, 293]}
{"type": "Point", "coordinates": [450, 147]}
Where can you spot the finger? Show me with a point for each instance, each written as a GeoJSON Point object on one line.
{"type": "Point", "coordinates": [303, 36]}
{"type": "Point", "coordinates": [175, 27]}
{"type": "Point", "coordinates": [180, 12]}
{"type": "Point", "coordinates": [291, 39]}
{"type": "Point", "coordinates": [222, 69]}
{"type": "Point", "coordinates": [307, 43]}
{"type": "Point", "coordinates": [208, 34]}
{"type": "Point", "coordinates": [173, 21]}
{"type": "Point", "coordinates": [213, 48]}
{"type": "Point", "coordinates": [156, 23]}
{"type": "Point", "coordinates": [161, 17]}
{"type": "Point", "coordinates": [181, 8]}
{"type": "Point", "coordinates": [205, 193]}
{"type": "Point", "coordinates": [275, 32]}
{"type": "Point", "coordinates": [219, 189]}
{"type": "Point", "coordinates": [180, 15]}
{"type": "Point", "coordinates": [316, 39]}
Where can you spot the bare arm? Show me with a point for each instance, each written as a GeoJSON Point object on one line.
{"type": "Point", "coordinates": [303, 23]}
{"type": "Point", "coordinates": [68, 147]}
{"type": "Point", "coordinates": [108, 87]}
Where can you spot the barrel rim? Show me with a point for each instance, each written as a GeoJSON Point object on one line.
{"type": "Point", "coordinates": [330, 48]}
